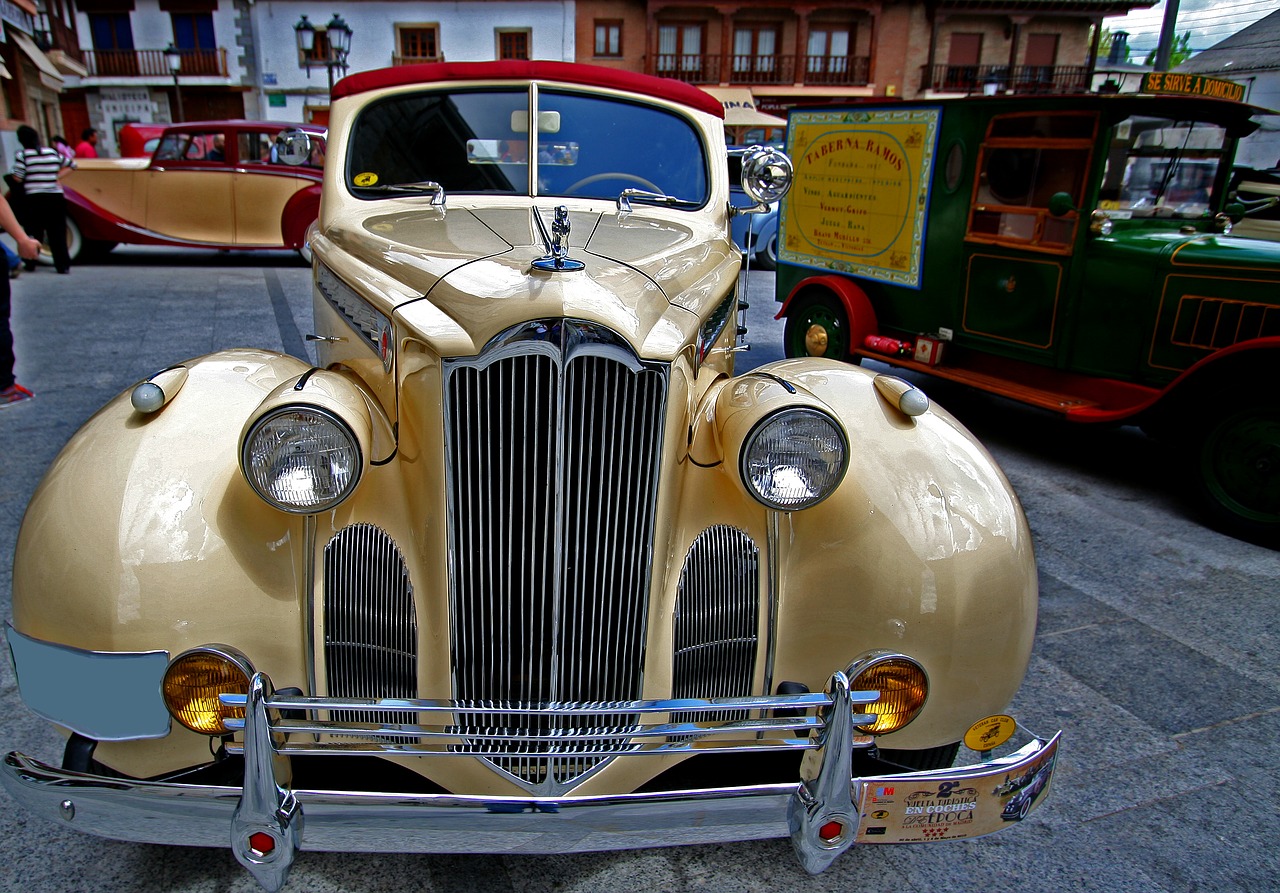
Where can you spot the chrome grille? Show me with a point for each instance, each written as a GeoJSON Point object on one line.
{"type": "Point", "coordinates": [553, 441]}
{"type": "Point", "coordinates": [370, 625]}
{"type": "Point", "coordinates": [717, 620]}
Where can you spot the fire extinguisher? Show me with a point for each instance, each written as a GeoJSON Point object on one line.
{"type": "Point", "coordinates": [881, 344]}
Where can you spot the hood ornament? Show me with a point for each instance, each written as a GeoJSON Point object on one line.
{"type": "Point", "coordinates": [557, 259]}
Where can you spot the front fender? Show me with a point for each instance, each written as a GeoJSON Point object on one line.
{"type": "Point", "coordinates": [144, 535]}
{"type": "Point", "coordinates": [923, 549]}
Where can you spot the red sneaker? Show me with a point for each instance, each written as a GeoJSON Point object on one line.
{"type": "Point", "coordinates": [14, 393]}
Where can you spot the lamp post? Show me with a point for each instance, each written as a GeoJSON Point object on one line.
{"type": "Point", "coordinates": [173, 56]}
{"type": "Point", "coordinates": [338, 39]}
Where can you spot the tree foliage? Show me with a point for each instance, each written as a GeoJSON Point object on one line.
{"type": "Point", "coordinates": [1180, 51]}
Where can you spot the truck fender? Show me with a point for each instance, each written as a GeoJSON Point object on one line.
{"type": "Point", "coordinates": [844, 293]}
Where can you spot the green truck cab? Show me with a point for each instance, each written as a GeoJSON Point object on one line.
{"type": "Point", "coordinates": [1073, 253]}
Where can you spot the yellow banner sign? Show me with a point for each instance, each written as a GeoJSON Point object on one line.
{"type": "Point", "coordinates": [1192, 85]}
{"type": "Point", "coordinates": [861, 192]}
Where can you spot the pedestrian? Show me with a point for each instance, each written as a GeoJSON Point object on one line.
{"type": "Point", "coordinates": [63, 147]}
{"type": "Point", "coordinates": [88, 145]}
{"type": "Point", "coordinates": [39, 168]}
{"type": "Point", "coordinates": [10, 390]}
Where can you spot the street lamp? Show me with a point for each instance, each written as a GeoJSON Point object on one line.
{"type": "Point", "coordinates": [338, 38]}
{"type": "Point", "coordinates": [173, 56]}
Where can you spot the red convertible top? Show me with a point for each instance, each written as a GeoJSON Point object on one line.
{"type": "Point", "coordinates": [523, 70]}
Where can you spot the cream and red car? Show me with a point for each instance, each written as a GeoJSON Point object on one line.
{"type": "Point", "coordinates": [520, 565]}
{"type": "Point", "coordinates": [208, 184]}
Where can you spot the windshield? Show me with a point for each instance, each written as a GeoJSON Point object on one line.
{"type": "Point", "coordinates": [480, 141]}
{"type": "Point", "coordinates": [1158, 167]}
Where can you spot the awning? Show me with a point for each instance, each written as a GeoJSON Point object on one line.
{"type": "Point", "coordinates": [740, 108]}
{"type": "Point", "coordinates": [49, 74]}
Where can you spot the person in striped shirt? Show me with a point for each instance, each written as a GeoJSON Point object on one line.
{"type": "Point", "coordinates": [39, 168]}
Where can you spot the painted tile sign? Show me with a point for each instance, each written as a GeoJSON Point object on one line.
{"type": "Point", "coordinates": [862, 191]}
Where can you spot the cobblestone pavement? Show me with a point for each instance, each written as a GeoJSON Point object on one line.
{"type": "Point", "coordinates": [1156, 654]}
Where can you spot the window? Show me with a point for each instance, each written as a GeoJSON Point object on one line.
{"type": "Point", "coordinates": [193, 35]}
{"type": "Point", "coordinates": [1025, 160]}
{"type": "Point", "coordinates": [418, 43]}
{"type": "Point", "coordinates": [319, 54]}
{"type": "Point", "coordinates": [680, 50]}
{"type": "Point", "coordinates": [755, 50]}
{"type": "Point", "coordinates": [513, 44]}
{"type": "Point", "coordinates": [828, 51]}
{"type": "Point", "coordinates": [608, 37]}
{"type": "Point", "coordinates": [112, 37]}
{"type": "Point", "coordinates": [963, 57]}
{"type": "Point", "coordinates": [1160, 167]}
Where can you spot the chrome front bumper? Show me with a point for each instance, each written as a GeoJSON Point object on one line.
{"type": "Point", "coordinates": [266, 822]}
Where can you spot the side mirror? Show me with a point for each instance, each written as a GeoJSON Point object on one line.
{"type": "Point", "coordinates": [293, 147]}
{"type": "Point", "coordinates": [1060, 204]}
{"type": "Point", "coordinates": [766, 174]}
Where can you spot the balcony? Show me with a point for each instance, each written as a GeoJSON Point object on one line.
{"type": "Point", "coordinates": [1003, 79]}
{"type": "Point", "coordinates": [152, 63]}
{"type": "Point", "coordinates": [811, 71]}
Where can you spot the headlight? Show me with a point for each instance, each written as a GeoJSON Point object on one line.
{"type": "Point", "coordinates": [794, 459]}
{"type": "Point", "coordinates": [194, 680]}
{"type": "Point", "coordinates": [301, 459]}
{"type": "Point", "coordinates": [902, 684]}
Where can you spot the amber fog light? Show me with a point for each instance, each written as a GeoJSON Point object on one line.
{"type": "Point", "coordinates": [194, 681]}
{"type": "Point", "coordinates": [903, 687]}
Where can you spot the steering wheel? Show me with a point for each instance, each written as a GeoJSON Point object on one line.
{"type": "Point", "coordinates": [611, 175]}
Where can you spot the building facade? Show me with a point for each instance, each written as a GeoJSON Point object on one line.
{"type": "Point", "coordinates": [124, 61]}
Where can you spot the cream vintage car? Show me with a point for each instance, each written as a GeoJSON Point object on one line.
{"type": "Point", "coordinates": [520, 565]}
{"type": "Point", "coordinates": [208, 184]}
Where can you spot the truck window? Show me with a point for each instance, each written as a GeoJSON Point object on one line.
{"type": "Point", "coordinates": [1024, 160]}
{"type": "Point", "coordinates": [1158, 167]}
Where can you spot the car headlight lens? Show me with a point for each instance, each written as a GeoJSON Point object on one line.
{"type": "Point", "coordinates": [903, 687]}
{"type": "Point", "coordinates": [301, 459]}
{"type": "Point", "coordinates": [194, 681]}
{"type": "Point", "coordinates": [794, 459]}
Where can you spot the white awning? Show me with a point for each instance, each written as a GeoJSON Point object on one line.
{"type": "Point", "coordinates": [49, 74]}
{"type": "Point", "coordinates": [740, 108]}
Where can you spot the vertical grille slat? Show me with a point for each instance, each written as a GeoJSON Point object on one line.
{"type": "Point", "coordinates": [371, 627]}
{"type": "Point", "coordinates": [568, 437]}
{"type": "Point", "coordinates": [717, 619]}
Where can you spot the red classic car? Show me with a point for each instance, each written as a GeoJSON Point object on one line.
{"type": "Point", "coordinates": [210, 184]}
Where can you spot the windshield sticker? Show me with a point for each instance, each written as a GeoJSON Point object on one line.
{"type": "Point", "coordinates": [365, 179]}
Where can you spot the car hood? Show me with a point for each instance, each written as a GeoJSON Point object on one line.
{"type": "Point", "coordinates": [1214, 249]}
{"type": "Point", "coordinates": [467, 275]}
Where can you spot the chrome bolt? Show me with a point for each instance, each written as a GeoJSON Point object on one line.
{"type": "Point", "coordinates": [68, 810]}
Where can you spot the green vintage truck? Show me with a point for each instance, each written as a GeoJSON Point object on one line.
{"type": "Point", "coordinates": [1073, 253]}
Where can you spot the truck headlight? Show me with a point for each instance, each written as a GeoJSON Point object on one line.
{"type": "Point", "coordinates": [903, 687]}
{"type": "Point", "coordinates": [794, 459]}
{"type": "Point", "coordinates": [301, 459]}
{"type": "Point", "coordinates": [194, 681]}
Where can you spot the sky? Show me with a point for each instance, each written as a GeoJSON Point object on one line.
{"type": "Point", "coordinates": [1209, 21]}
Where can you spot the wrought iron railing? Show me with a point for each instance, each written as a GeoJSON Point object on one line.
{"type": "Point", "coordinates": [946, 78]}
{"type": "Point", "coordinates": [153, 63]}
{"type": "Point", "coordinates": [694, 68]}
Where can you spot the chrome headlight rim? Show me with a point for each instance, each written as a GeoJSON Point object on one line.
{"type": "Point", "coordinates": [757, 430]}
{"type": "Point", "coordinates": [332, 418]}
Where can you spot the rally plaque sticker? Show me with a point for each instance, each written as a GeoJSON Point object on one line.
{"type": "Point", "coordinates": [952, 806]}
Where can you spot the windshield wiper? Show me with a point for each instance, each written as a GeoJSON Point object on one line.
{"type": "Point", "coordinates": [421, 187]}
{"type": "Point", "coordinates": [627, 196]}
